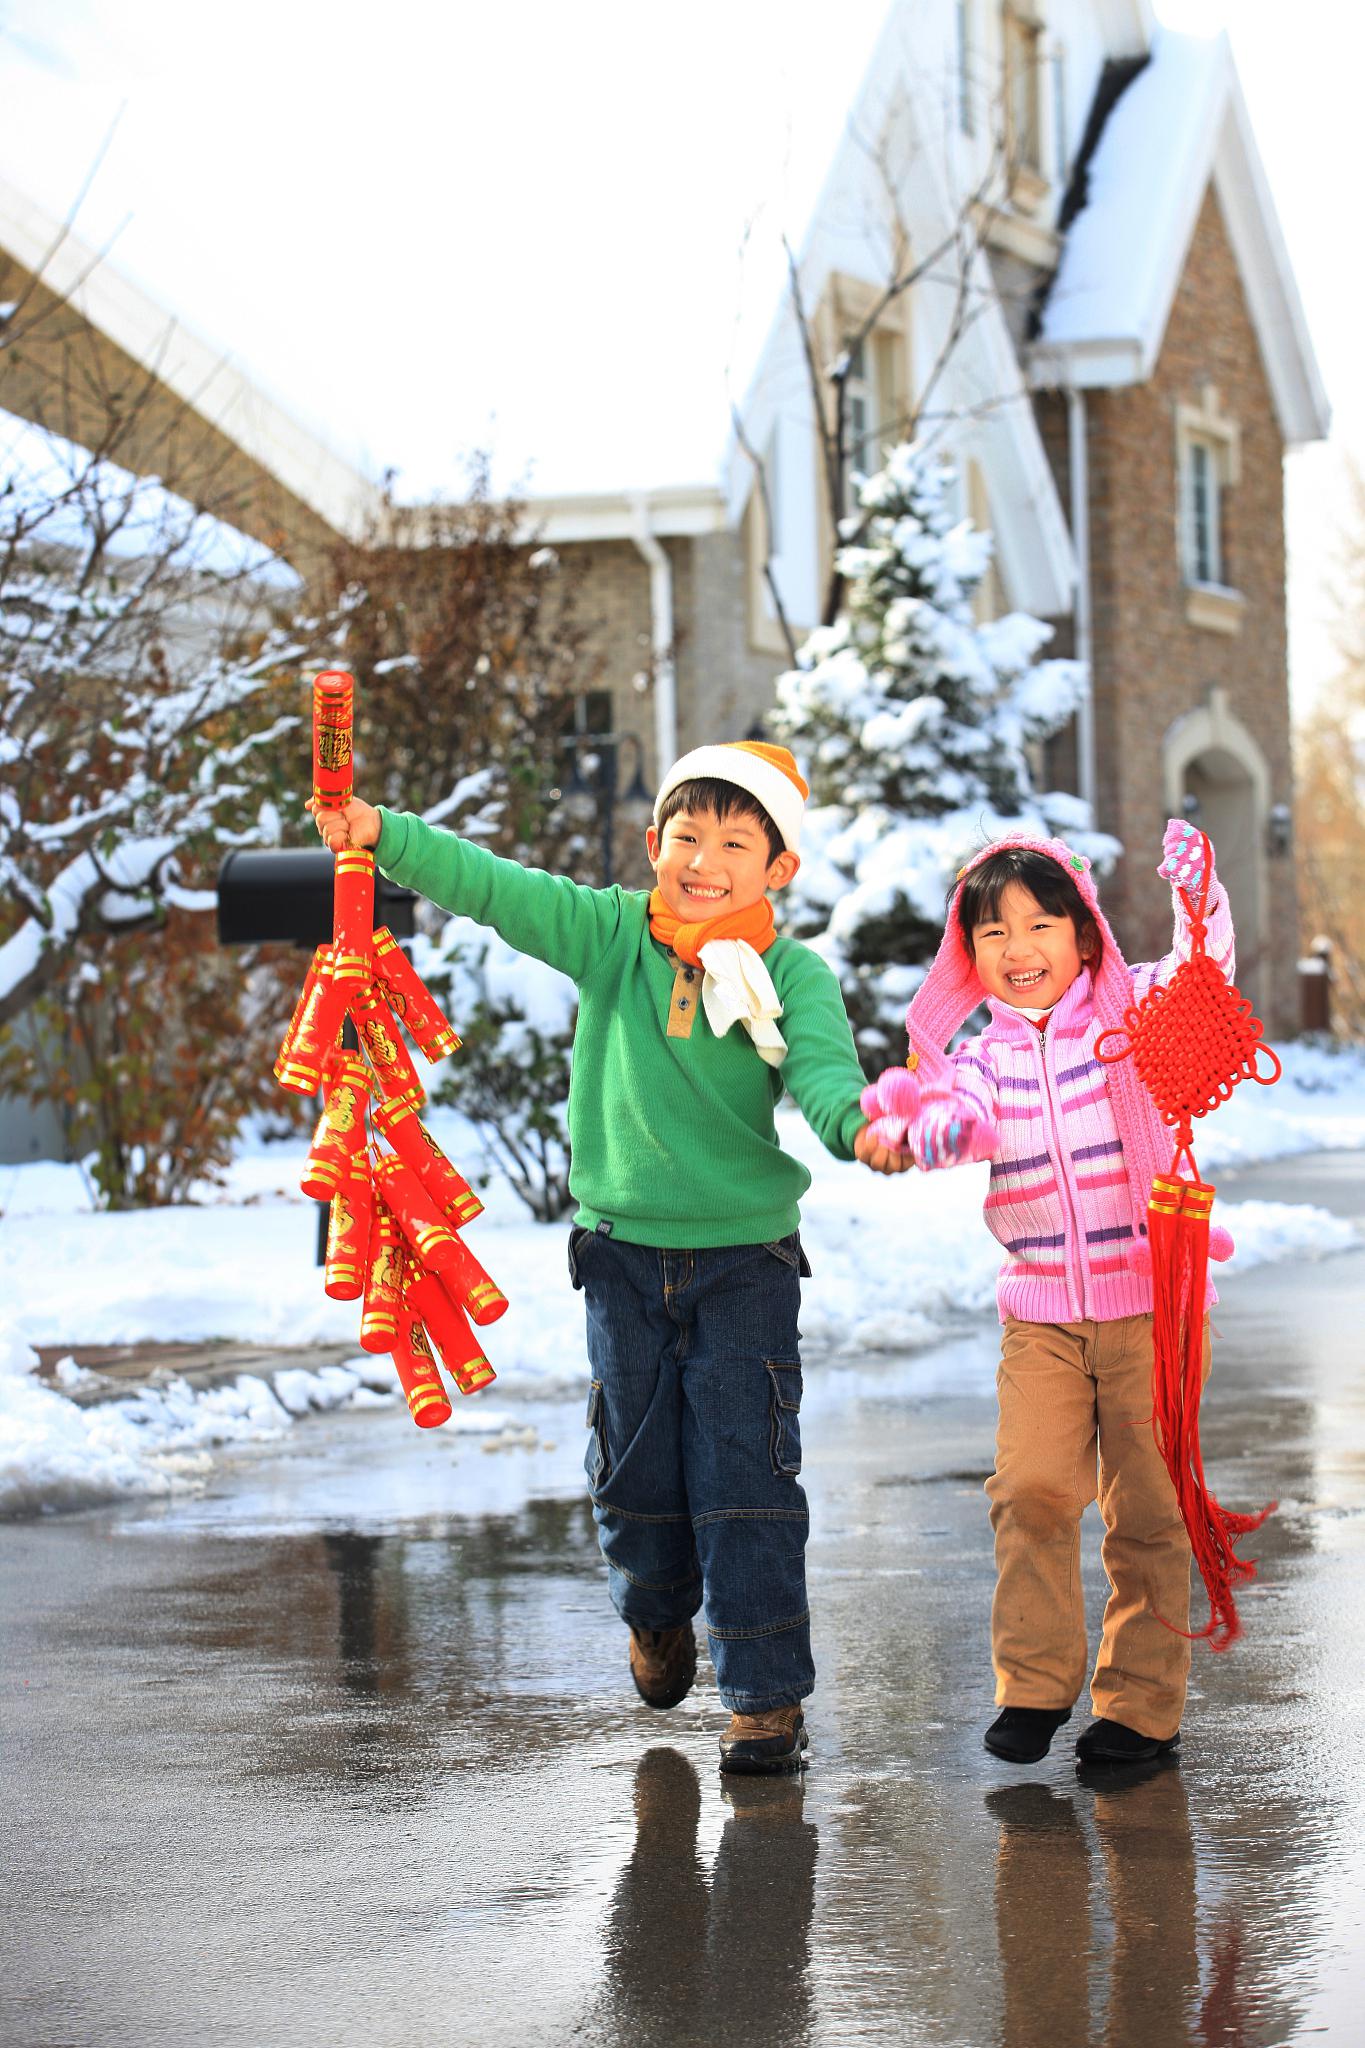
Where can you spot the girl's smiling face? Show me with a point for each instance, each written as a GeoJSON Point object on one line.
{"type": "Point", "coordinates": [1025, 955]}
{"type": "Point", "coordinates": [707, 866]}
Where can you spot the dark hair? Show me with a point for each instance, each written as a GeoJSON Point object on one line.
{"type": "Point", "coordinates": [722, 800]}
{"type": "Point", "coordinates": [1050, 886]}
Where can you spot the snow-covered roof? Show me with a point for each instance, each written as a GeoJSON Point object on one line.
{"type": "Point", "coordinates": [1181, 122]}
{"type": "Point", "coordinates": [205, 378]}
{"type": "Point", "coordinates": [579, 274]}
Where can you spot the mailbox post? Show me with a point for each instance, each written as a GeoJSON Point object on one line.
{"type": "Point", "coordinates": [283, 895]}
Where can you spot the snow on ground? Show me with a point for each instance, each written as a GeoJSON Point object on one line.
{"type": "Point", "coordinates": [896, 1265]}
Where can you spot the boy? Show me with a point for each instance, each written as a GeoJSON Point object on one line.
{"type": "Point", "coordinates": [685, 1240]}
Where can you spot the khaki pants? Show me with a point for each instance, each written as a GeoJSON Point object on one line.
{"type": "Point", "coordinates": [1068, 1391]}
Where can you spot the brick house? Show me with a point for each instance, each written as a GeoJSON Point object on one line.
{"type": "Point", "coordinates": [1118, 414]}
{"type": "Point", "coordinates": [1117, 407]}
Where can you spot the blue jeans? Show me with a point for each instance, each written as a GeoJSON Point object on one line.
{"type": "Point", "coordinates": [694, 1410]}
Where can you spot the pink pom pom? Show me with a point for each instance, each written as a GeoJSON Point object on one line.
{"type": "Point", "coordinates": [870, 1101]}
{"type": "Point", "coordinates": [900, 1091]}
{"type": "Point", "coordinates": [1220, 1242]}
{"type": "Point", "coordinates": [1140, 1258]}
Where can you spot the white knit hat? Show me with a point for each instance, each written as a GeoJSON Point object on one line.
{"type": "Point", "coordinates": [769, 774]}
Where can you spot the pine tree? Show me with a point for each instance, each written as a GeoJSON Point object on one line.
{"type": "Point", "coordinates": [911, 719]}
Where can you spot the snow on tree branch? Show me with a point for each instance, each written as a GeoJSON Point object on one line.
{"type": "Point", "coordinates": [127, 714]}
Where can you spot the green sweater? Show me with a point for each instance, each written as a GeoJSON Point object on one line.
{"type": "Point", "coordinates": [673, 1138]}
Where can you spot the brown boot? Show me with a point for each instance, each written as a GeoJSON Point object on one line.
{"type": "Point", "coordinates": [755, 1743]}
{"type": "Point", "coordinates": [663, 1663]}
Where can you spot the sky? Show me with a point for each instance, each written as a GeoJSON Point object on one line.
{"type": "Point", "coordinates": [324, 193]}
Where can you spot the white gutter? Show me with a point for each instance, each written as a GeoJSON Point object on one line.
{"type": "Point", "coordinates": [661, 635]}
{"type": "Point", "coordinates": [1080, 541]}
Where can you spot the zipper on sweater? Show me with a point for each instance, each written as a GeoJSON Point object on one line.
{"type": "Point", "coordinates": [1075, 1253]}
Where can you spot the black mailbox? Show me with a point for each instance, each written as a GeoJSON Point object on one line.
{"type": "Point", "coordinates": [285, 892]}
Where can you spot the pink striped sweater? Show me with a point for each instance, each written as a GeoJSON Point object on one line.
{"type": "Point", "coordinates": [1059, 1199]}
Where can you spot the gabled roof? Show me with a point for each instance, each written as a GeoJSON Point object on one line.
{"type": "Point", "coordinates": [1180, 122]}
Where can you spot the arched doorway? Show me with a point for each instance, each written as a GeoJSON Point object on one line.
{"type": "Point", "coordinates": [1216, 774]}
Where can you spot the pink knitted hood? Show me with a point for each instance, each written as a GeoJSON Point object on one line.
{"type": "Point", "coordinates": [952, 989]}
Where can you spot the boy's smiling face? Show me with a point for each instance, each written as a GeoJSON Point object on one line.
{"type": "Point", "coordinates": [1027, 956]}
{"type": "Point", "coordinates": [707, 866]}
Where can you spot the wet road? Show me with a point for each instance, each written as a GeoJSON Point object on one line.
{"type": "Point", "coordinates": [343, 1750]}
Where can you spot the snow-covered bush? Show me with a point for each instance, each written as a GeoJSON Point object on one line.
{"type": "Point", "coordinates": [911, 719]}
{"type": "Point", "coordinates": [510, 1078]}
{"type": "Point", "coordinates": [140, 715]}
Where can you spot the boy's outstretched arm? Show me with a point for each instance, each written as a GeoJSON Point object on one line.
{"type": "Point", "coordinates": [549, 917]}
{"type": "Point", "coordinates": [821, 1070]}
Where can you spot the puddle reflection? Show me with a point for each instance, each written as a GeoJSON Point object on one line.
{"type": "Point", "coordinates": [1061, 1913]}
{"type": "Point", "coordinates": [691, 1956]}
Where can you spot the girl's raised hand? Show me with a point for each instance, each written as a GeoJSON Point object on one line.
{"type": "Point", "coordinates": [1182, 856]}
{"type": "Point", "coordinates": [352, 824]}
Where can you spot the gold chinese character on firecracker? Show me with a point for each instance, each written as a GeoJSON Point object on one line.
{"type": "Point", "coordinates": [334, 746]}
{"type": "Point", "coordinates": [341, 1111]}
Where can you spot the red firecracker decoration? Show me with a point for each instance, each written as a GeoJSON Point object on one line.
{"type": "Point", "coordinates": [414, 1144]}
{"type": "Point", "coordinates": [353, 905]}
{"type": "Point", "coordinates": [428, 1402]}
{"type": "Point", "coordinates": [394, 1218]}
{"type": "Point", "coordinates": [408, 997]}
{"type": "Point", "coordinates": [340, 1136]}
{"type": "Point", "coordinates": [348, 1235]}
{"type": "Point", "coordinates": [1191, 1040]}
{"type": "Point", "coordinates": [448, 1328]}
{"type": "Point", "coordinates": [333, 722]}
{"type": "Point", "coordinates": [390, 1058]}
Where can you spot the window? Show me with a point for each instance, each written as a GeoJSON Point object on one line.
{"type": "Point", "coordinates": [966, 113]}
{"type": "Point", "coordinates": [1208, 461]}
{"type": "Point", "coordinates": [1208, 468]}
{"type": "Point", "coordinates": [860, 423]}
{"type": "Point", "coordinates": [1022, 40]}
{"type": "Point", "coordinates": [588, 712]}
{"type": "Point", "coordinates": [1203, 515]}
{"type": "Point", "coordinates": [578, 718]}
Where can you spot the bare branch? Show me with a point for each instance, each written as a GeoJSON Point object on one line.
{"type": "Point", "coordinates": [769, 577]}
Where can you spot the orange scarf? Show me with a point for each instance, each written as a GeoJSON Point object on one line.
{"type": "Point", "coordinates": [755, 925]}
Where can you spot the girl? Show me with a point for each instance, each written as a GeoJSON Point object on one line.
{"type": "Point", "coordinates": [1073, 1146]}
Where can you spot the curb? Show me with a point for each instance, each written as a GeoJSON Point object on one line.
{"type": "Point", "coordinates": [123, 1368]}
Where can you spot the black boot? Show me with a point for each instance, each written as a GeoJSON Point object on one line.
{"type": "Point", "coordinates": [1023, 1735]}
{"type": "Point", "coordinates": [1109, 1742]}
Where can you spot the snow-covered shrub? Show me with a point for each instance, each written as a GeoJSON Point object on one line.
{"type": "Point", "coordinates": [911, 719]}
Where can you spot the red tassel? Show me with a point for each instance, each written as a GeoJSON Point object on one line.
{"type": "Point", "coordinates": [1178, 1228]}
